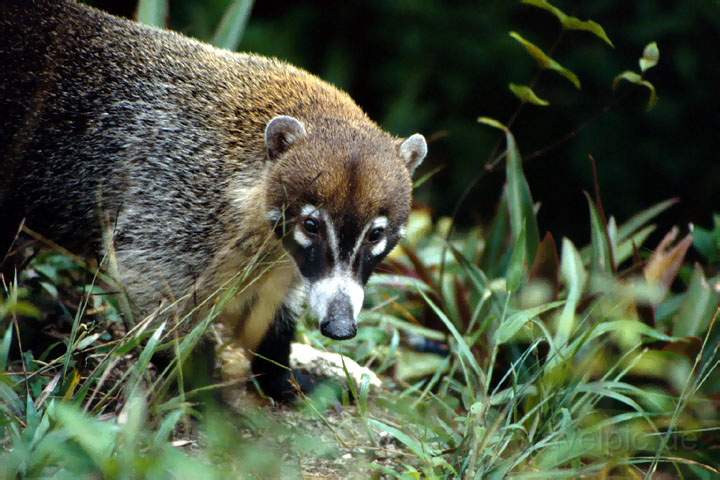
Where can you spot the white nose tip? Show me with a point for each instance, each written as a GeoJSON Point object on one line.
{"type": "Point", "coordinates": [324, 292]}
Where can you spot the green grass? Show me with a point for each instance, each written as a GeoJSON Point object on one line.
{"type": "Point", "coordinates": [593, 361]}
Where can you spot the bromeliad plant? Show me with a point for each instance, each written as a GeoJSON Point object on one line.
{"type": "Point", "coordinates": [590, 361]}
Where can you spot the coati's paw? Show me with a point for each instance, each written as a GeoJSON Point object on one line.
{"type": "Point", "coordinates": [288, 386]}
{"type": "Point", "coordinates": [329, 365]}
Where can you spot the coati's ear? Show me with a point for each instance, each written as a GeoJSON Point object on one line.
{"type": "Point", "coordinates": [281, 132]}
{"type": "Point", "coordinates": [413, 151]}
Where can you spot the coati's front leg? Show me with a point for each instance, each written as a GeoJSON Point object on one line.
{"type": "Point", "coordinates": [280, 366]}
{"type": "Point", "coordinates": [271, 360]}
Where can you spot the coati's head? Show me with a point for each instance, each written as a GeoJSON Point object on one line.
{"type": "Point", "coordinates": [339, 199]}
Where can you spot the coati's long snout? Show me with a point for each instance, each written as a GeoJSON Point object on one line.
{"type": "Point", "coordinates": [336, 302]}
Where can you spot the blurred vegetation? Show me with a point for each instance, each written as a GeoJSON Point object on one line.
{"type": "Point", "coordinates": [549, 335]}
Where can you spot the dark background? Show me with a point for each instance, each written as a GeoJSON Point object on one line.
{"type": "Point", "coordinates": [435, 66]}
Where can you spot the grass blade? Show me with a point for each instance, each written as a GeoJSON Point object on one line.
{"type": "Point", "coordinates": [544, 60]}
{"type": "Point", "coordinates": [601, 260]}
{"type": "Point", "coordinates": [517, 320]}
{"type": "Point", "coordinates": [230, 31]}
{"type": "Point", "coordinates": [519, 200]}
{"type": "Point", "coordinates": [152, 12]}
{"type": "Point", "coordinates": [575, 277]}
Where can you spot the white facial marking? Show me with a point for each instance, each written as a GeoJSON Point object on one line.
{"type": "Point", "coordinates": [332, 239]}
{"type": "Point", "coordinates": [323, 292]}
{"type": "Point", "coordinates": [379, 247]}
{"type": "Point", "coordinates": [340, 281]}
{"type": "Point", "coordinates": [299, 234]}
{"type": "Point", "coordinates": [301, 238]}
{"type": "Point", "coordinates": [310, 211]}
{"type": "Point", "coordinates": [274, 215]}
{"type": "Point", "coordinates": [378, 222]}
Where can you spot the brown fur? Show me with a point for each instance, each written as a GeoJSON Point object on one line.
{"type": "Point", "coordinates": [111, 127]}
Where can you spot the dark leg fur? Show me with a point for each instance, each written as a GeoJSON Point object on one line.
{"type": "Point", "coordinates": [271, 362]}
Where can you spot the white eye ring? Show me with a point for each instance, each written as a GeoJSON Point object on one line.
{"type": "Point", "coordinates": [379, 247]}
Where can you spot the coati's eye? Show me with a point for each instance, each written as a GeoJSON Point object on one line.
{"type": "Point", "coordinates": [376, 234]}
{"type": "Point", "coordinates": [311, 226]}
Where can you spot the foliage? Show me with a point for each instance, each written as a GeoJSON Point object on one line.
{"type": "Point", "coordinates": [503, 356]}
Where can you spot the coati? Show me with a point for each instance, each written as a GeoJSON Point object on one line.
{"type": "Point", "coordinates": [187, 161]}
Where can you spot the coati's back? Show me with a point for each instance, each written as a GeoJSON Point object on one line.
{"type": "Point", "coordinates": [83, 94]}
{"type": "Point", "coordinates": [96, 109]}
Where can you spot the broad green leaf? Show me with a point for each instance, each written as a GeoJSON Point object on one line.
{"type": "Point", "coordinates": [97, 439]}
{"type": "Point", "coordinates": [5, 348]}
{"type": "Point", "coordinates": [545, 61]}
{"type": "Point", "coordinates": [574, 276]}
{"type": "Point", "coordinates": [563, 451]}
{"type": "Point", "coordinates": [625, 249]}
{"type": "Point", "coordinates": [520, 203]}
{"type": "Point", "coordinates": [411, 365]}
{"type": "Point", "coordinates": [152, 12]}
{"type": "Point", "coordinates": [491, 122]}
{"type": "Point", "coordinates": [167, 427]}
{"type": "Point", "coordinates": [639, 220]}
{"type": "Point", "coordinates": [140, 367]}
{"type": "Point", "coordinates": [26, 309]}
{"type": "Point", "coordinates": [232, 26]}
{"type": "Point", "coordinates": [636, 79]}
{"type": "Point", "coordinates": [422, 450]}
{"type": "Point", "coordinates": [493, 255]}
{"type": "Point", "coordinates": [707, 242]}
{"type": "Point", "coordinates": [571, 23]}
{"type": "Point", "coordinates": [632, 230]}
{"type": "Point", "coordinates": [627, 326]}
{"type": "Point", "coordinates": [612, 232]}
{"type": "Point", "coordinates": [518, 267]}
{"type": "Point", "coordinates": [601, 259]}
{"type": "Point", "coordinates": [616, 390]}
{"type": "Point", "coordinates": [650, 57]}
{"type": "Point", "coordinates": [134, 415]}
{"type": "Point", "coordinates": [697, 309]}
{"type": "Point", "coordinates": [514, 322]}
{"type": "Point", "coordinates": [527, 95]}
{"type": "Point", "coordinates": [83, 343]}
{"type": "Point", "coordinates": [519, 199]}
{"type": "Point", "coordinates": [10, 402]}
